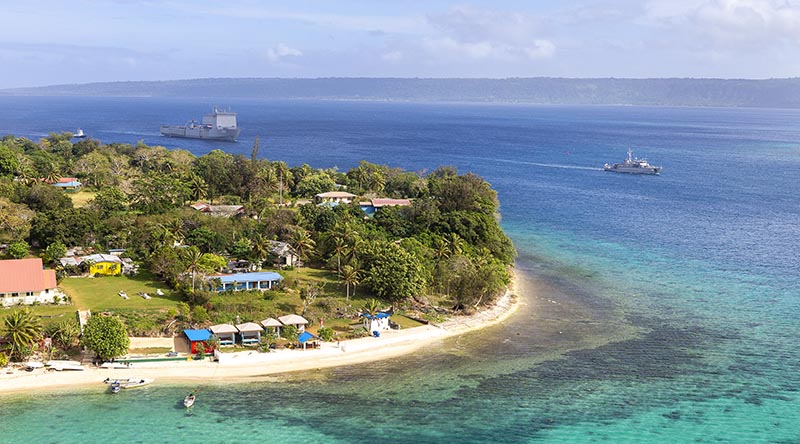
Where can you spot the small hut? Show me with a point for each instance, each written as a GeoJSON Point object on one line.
{"type": "Point", "coordinates": [198, 340]}
{"type": "Point", "coordinates": [250, 333]}
{"type": "Point", "coordinates": [296, 320]}
{"type": "Point", "coordinates": [274, 324]}
{"type": "Point", "coordinates": [305, 337]}
{"type": "Point", "coordinates": [225, 332]}
{"type": "Point", "coordinates": [377, 322]}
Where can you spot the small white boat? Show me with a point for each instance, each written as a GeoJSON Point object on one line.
{"type": "Point", "coordinates": [129, 382]}
{"type": "Point", "coordinates": [159, 292]}
{"type": "Point", "coordinates": [65, 365]}
{"type": "Point", "coordinates": [33, 365]}
{"type": "Point", "coordinates": [115, 387]}
{"type": "Point", "coordinates": [144, 295]}
{"type": "Point", "coordinates": [79, 134]}
{"type": "Point", "coordinates": [188, 401]}
{"type": "Point", "coordinates": [123, 295]}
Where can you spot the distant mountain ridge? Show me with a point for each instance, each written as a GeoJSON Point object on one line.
{"type": "Point", "coordinates": [770, 93]}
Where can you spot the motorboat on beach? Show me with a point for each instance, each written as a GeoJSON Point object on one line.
{"type": "Point", "coordinates": [633, 165]}
{"type": "Point", "coordinates": [33, 365]}
{"type": "Point", "coordinates": [64, 365]}
{"type": "Point", "coordinates": [129, 382]}
{"type": "Point", "coordinates": [115, 387]}
{"type": "Point", "coordinates": [188, 401]}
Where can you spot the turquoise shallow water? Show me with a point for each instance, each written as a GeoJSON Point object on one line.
{"type": "Point", "coordinates": [658, 309]}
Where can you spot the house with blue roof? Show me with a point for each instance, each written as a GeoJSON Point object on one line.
{"type": "Point", "coordinates": [261, 280]}
{"type": "Point", "coordinates": [376, 322]}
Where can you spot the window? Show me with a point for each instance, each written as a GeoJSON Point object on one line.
{"type": "Point", "coordinates": [28, 293]}
{"type": "Point", "coordinates": [14, 295]}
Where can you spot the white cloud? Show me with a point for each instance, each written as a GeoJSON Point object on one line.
{"type": "Point", "coordinates": [477, 34]}
{"type": "Point", "coordinates": [280, 51]}
{"type": "Point", "coordinates": [392, 56]}
{"type": "Point", "coordinates": [729, 23]}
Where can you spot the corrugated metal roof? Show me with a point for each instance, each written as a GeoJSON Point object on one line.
{"type": "Point", "coordinates": [249, 326]}
{"type": "Point", "coordinates": [293, 319]}
{"type": "Point", "coordinates": [21, 275]}
{"type": "Point", "coordinates": [223, 329]}
{"type": "Point", "coordinates": [261, 276]}
{"type": "Point", "coordinates": [270, 322]}
{"type": "Point", "coordinates": [197, 335]}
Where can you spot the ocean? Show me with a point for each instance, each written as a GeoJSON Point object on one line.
{"type": "Point", "coordinates": [656, 309]}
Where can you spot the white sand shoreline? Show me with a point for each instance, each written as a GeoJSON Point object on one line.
{"type": "Point", "coordinates": [250, 365]}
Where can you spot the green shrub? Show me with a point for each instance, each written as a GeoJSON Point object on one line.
{"type": "Point", "coordinates": [325, 333]}
{"type": "Point", "coordinates": [290, 332]}
{"type": "Point", "coordinates": [3, 359]}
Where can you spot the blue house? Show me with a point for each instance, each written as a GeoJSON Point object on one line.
{"type": "Point", "coordinates": [262, 280]}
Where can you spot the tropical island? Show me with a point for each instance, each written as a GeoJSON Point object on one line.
{"type": "Point", "coordinates": [120, 251]}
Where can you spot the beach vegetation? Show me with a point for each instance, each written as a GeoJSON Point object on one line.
{"type": "Point", "coordinates": [106, 336]}
{"type": "Point", "coordinates": [3, 359]}
{"type": "Point", "coordinates": [22, 330]}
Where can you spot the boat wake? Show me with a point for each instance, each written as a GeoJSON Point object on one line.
{"type": "Point", "coordinates": [546, 165]}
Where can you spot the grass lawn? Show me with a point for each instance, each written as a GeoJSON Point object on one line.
{"type": "Point", "coordinates": [81, 198]}
{"type": "Point", "coordinates": [101, 293]}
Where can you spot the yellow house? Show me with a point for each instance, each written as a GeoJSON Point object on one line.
{"type": "Point", "coordinates": [105, 264]}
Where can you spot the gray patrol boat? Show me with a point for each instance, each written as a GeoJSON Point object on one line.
{"type": "Point", "coordinates": [633, 165]}
{"type": "Point", "coordinates": [219, 125]}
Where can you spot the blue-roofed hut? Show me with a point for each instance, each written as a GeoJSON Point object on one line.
{"type": "Point", "coordinates": [377, 322]}
{"type": "Point", "coordinates": [304, 337]}
{"type": "Point", "coordinates": [197, 340]}
{"type": "Point", "coordinates": [262, 280]}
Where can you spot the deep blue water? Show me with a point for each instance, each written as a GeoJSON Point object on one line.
{"type": "Point", "coordinates": [659, 309]}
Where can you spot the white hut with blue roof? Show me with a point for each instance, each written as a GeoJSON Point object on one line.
{"type": "Point", "coordinates": [376, 322]}
{"type": "Point", "coordinates": [262, 280]}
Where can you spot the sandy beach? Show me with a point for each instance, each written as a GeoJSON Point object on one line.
{"type": "Point", "coordinates": [250, 365]}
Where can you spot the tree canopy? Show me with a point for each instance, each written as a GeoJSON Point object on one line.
{"type": "Point", "coordinates": [106, 336]}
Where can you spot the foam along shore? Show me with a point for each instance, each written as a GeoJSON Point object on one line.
{"type": "Point", "coordinates": [247, 365]}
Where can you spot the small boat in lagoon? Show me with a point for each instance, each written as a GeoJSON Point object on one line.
{"type": "Point", "coordinates": [188, 401]}
{"type": "Point", "coordinates": [115, 387]}
{"type": "Point", "coordinates": [129, 382]}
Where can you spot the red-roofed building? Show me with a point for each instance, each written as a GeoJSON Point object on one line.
{"type": "Point", "coordinates": [25, 281]}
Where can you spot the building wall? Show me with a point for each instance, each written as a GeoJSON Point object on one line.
{"type": "Point", "coordinates": [106, 268]}
{"type": "Point", "coordinates": [28, 298]}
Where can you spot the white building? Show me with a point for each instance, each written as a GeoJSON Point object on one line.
{"type": "Point", "coordinates": [25, 281]}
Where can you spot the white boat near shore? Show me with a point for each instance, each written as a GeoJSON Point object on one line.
{"type": "Point", "coordinates": [129, 382]}
{"type": "Point", "coordinates": [64, 365]}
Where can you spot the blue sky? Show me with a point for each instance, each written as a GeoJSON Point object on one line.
{"type": "Point", "coordinates": [46, 42]}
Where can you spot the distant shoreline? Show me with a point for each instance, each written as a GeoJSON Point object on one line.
{"type": "Point", "coordinates": [666, 92]}
{"type": "Point", "coordinates": [249, 366]}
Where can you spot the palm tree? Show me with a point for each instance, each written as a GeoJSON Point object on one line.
{"type": "Point", "coordinates": [198, 188]}
{"type": "Point", "coordinates": [302, 242]}
{"type": "Point", "coordinates": [260, 246]}
{"type": "Point", "coordinates": [22, 330]}
{"type": "Point", "coordinates": [455, 245]}
{"type": "Point", "coordinates": [372, 307]}
{"type": "Point", "coordinates": [339, 248]}
{"type": "Point", "coordinates": [192, 255]}
{"type": "Point", "coordinates": [350, 276]}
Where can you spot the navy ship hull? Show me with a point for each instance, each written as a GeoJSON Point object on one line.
{"type": "Point", "coordinates": [200, 132]}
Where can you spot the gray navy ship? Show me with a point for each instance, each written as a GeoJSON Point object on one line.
{"type": "Point", "coordinates": [219, 125]}
{"type": "Point", "coordinates": [633, 165]}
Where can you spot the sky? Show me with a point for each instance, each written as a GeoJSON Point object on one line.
{"type": "Point", "coordinates": [46, 42]}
